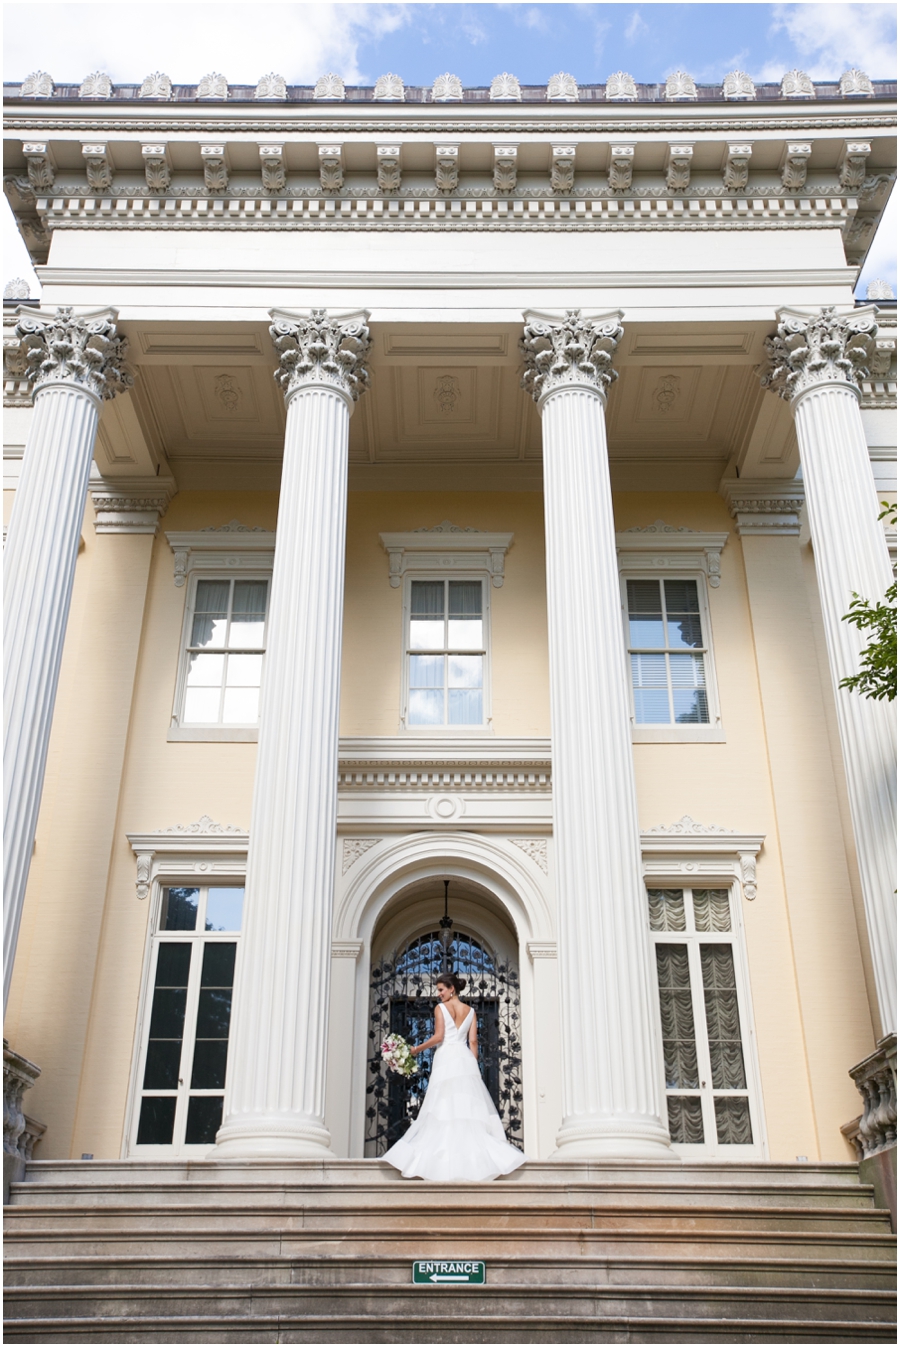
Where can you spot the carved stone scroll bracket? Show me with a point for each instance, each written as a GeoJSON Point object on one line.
{"type": "Point", "coordinates": [809, 349]}
{"type": "Point", "coordinates": [794, 164]}
{"type": "Point", "coordinates": [157, 166]}
{"type": "Point", "coordinates": [568, 351]}
{"type": "Point", "coordinates": [661, 547]}
{"type": "Point", "coordinates": [852, 164]}
{"type": "Point", "coordinates": [562, 168]}
{"type": "Point", "coordinates": [736, 166]}
{"type": "Point", "coordinates": [621, 163]}
{"type": "Point", "coordinates": [506, 158]}
{"type": "Point", "coordinates": [446, 167]}
{"type": "Point", "coordinates": [272, 166]}
{"type": "Point", "coordinates": [701, 853]}
{"type": "Point", "coordinates": [19, 1074]}
{"type": "Point", "coordinates": [678, 166]}
{"type": "Point", "coordinates": [444, 549]}
{"type": "Point", "coordinates": [85, 350]}
{"type": "Point", "coordinates": [318, 348]}
{"type": "Point", "coordinates": [40, 164]}
{"type": "Point", "coordinates": [98, 165]}
{"type": "Point", "coordinates": [144, 870]}
{"type": "Point", "coordinates": [389, 174]}
{"type": "Point", "coordinates": [215, 167]}
{"type": "Point", "coordinates": [331, 167]}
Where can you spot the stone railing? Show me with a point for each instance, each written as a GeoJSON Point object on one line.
{"type": "Point", "coordinates": [875, 1130]}
{"type": "Point", "coordinates": [20, 1133]}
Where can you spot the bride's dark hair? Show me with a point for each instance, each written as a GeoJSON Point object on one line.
{"type": "Point", "coordinates": [452, 980]}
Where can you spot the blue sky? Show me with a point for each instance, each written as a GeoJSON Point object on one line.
{"type": "Point", "coordinates": [475, 41]}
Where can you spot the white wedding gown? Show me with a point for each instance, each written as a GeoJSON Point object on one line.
{"type": "Point", "coordinates": [458, 1136]}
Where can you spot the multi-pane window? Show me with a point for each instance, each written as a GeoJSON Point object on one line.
{"type": "Point", "coordinates": [702, 1017]}
{"type": "Point", "coordinates": [185, 1044]}
{"type": "Point", "coordinates": [667, 652]}
{"type": "Point", "coordinates": [445, 653]}
{"type": "Point", "coordinates": [224, 659]}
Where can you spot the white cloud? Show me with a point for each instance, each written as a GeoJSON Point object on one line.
{"type": "Point", "coordinates": [299, 41]}
{"type": "Point", "coordinates": [829, 38]}
{"type": "Point", "coordinates": [636, 28]}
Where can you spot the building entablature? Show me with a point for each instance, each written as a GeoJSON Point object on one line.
{"type": "Point", "coordinates": [458, 166]}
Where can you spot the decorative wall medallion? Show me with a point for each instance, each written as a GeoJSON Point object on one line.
{"type": "Point", "coordinates": [666, 393]}
{"type": "Point", "coordinates": [445, 808]}
{"type": "Point", "coordinates": [213, 86]}
{"type": "Point", "coordinates": [505, 89]}
{"type": "Point", "coordinates": [535, 847]}
{"type": "Point", "coordinates": [271, 86]}
{"type": "Point", "coordinates": [329, 88]}
{"type": "Point", "coordinates": [228, 391]}
{"type": "Point", "coordinates": [38, 85]}
{"type": "Point", "coordinates": [354, 847]}
{"type": "Point", "coordinates": [157, 86]}
{"type": "Point", "coordinates": [446, 393]}
{"type": "Point", "coordinates": [447, 89]}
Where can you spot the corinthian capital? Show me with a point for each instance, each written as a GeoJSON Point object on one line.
{"type": "Point", "coordinates": [316, 349]}
{"type": "Point", "coordinates": [81, 349]}
{"type": "Point", "coordinates": [811, 349]}
{"type": "Point", "coordinates": [569, 352]}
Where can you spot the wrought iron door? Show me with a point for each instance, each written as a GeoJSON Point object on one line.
{"type": "Point", "coordinates": [403, 999]}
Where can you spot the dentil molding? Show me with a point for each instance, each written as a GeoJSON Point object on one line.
{"type": "Point", "coordinates": [765, 508]}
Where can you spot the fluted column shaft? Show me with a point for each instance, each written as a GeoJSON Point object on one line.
{"type": "Point", "coordinates": [612, 1076]}
{"type": "Point", "coordinates": [77, 362]}
{"type": "Point", "coordinates": [852, 557]}
{"type": "Point", "coordinates": [275, 1101]}
{"type": "Point", "coordinates": [816, 361]}
{"type": "Point", "coordinates": [39, 572]}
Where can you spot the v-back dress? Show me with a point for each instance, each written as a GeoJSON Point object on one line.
{"type": "Point", "coordinates": [458, 1136]}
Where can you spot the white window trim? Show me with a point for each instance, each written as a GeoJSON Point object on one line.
{"type": "Point", "coordinates": [446, 548]}
{"type": "Point", "coordinates": [210, 554]}
{"type": "Point", "coordinates": [192, 855]}
{"type": "Point", "coordinates": [675, 554]}
{"type": "Point", "coordinates": [694, 855]}
{"type": "Point", "coordinates": [447, 731]}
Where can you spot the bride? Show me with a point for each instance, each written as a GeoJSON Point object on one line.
{"type": "Point", "coordinates": [458, 1135]}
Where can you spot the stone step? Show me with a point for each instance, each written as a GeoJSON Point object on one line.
{"type": "Point", "coordinates": [337, 1269]}
{"type": "Point", "coordinates": [337, 1213]}
{"type": "Point", "coordinates": [441, 1324]}
{"type": "Point", "coordinates": [128, 1302]}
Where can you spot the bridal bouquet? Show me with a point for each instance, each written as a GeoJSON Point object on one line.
{"type": "Point", "coordinates": [395, 1051]}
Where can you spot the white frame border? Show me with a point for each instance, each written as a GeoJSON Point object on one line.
{"type": "Point", "coordinates": [472, 571]}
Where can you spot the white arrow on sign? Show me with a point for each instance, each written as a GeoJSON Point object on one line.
{"type": "Point", "coordinates": [438, 1277]}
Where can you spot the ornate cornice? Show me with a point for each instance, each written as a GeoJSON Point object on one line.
{"type": "Point", "coordinates": [84, 350]}
{"type": "Point", "coordinates": [317, 349]}
{"type": "Point", "coordinates": [129, 507]}
{"type": "Point", "coordinates": [764, 508]}
{"type": "Point", "coordinates": [569, 352]}
{"type": "Point", "coordinates": [810, 350]}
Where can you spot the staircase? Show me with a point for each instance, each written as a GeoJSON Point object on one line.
{"type": "Point", "coordinates": [312, 1252]}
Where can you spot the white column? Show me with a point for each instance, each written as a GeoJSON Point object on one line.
{"type": "Point", "coordinates": [815, 361]}
{"type": "Point", "coordinates": [612, 1074]}
{"type": "Point", "coordinates": [275, 1100]}
{"type": "Point", "coordinates": [74, 363]}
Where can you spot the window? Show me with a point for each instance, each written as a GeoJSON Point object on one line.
{"type": "Point", "coordinates": [704, 1019]}
{"type": "Point", "coordinates": [667, 652]}
{"type": "Point", "coordinates": [184, 1048]}
{"type": "Point", "coordinates": [446, 653]}
{"type": "Point", "coordinates": [225, 635]}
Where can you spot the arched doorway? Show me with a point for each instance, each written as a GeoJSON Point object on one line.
{"type": "Point", "coordinates": [402, 997]}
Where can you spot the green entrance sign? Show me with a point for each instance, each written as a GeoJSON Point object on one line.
{"type": "Point", "coordinates": [453, 1272]}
